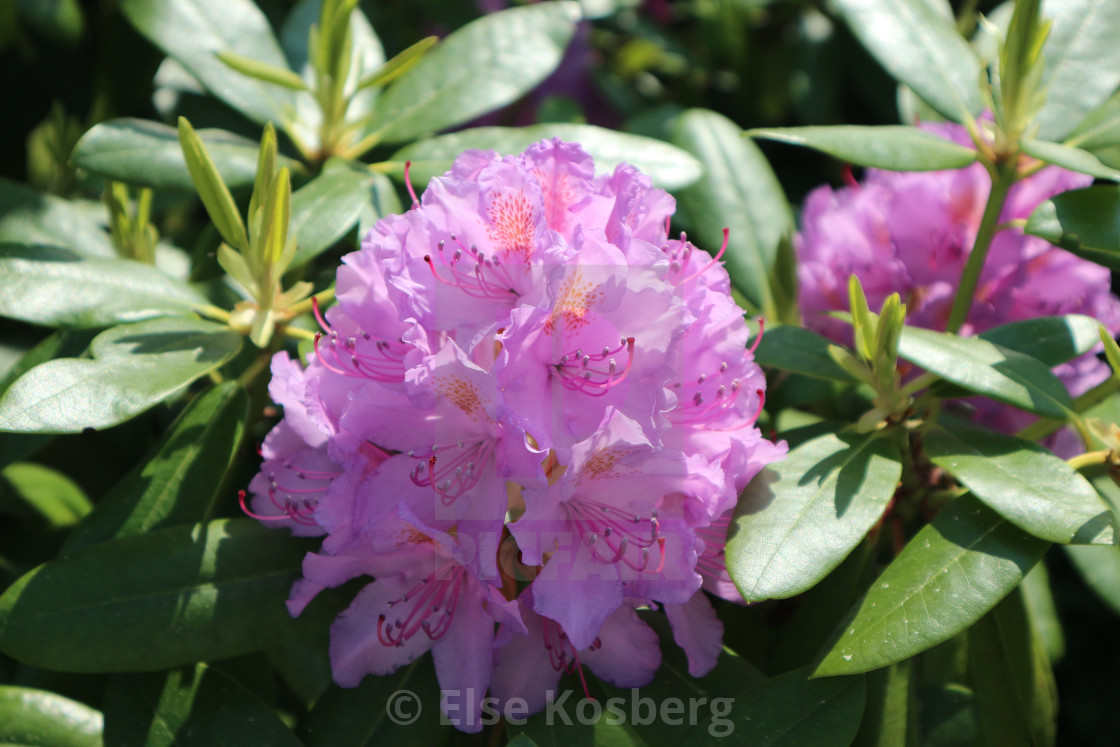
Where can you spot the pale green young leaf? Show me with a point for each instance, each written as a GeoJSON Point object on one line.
{"type": "Point", "coordinates": [211, 189]}
{"type": "Point", "coordinates": [1068, 157]}
{"type": "Point", "coordinates": [279, 76]}
{"type": "Point", "coordinates": [399, 64]}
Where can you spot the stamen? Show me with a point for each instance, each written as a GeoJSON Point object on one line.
{"type": "Point", "coordinates": [408, 183]}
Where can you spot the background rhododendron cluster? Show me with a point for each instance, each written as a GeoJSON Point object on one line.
{"type": "Point", "coordinates": [523, 359]}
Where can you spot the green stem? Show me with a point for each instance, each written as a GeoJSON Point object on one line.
{"type": "Point", "coordinates": [1001, 183]}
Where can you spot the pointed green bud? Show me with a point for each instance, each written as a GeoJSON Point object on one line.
{"type": "Point", "coordinates": [262, 71]}
{"type": "Point", "coordinates": [1111, 350]}
{"type": "Point", "coordinates": [861, 319]}
{"type": "Point", "coordinates": [211, 189]}
{"type": "Point", "coordinates": [266, 171]}
{"type": "Point", "coordinates": [399, 65]}
{"type": "Point", "coordinates": [851, 364]}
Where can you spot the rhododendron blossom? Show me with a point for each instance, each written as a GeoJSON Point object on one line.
{"type": "Point", "coordinates": [911, 233]}
{"type": "Point", "coordinates": [527, 416]}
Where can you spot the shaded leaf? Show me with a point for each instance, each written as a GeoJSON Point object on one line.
{"type": "Point", "coordinates": [1025, 483]}
{"type": "Point", "coordinates": [147, 154]}
{"type": "Point", "coordinates": [738, 190]}
{"type": "Point", "coordinates": [1083, 221]}
{"type": "Point", "coordinates": [891, 716]}
{"type": "Point", "coordinates": [792, 710]}
{"type": "Point", "coordinates": [177, 483]}
{"type": "Point", "coordinates": [163, 599]}
{"type": "Point", "coordinates": [920, 47]}
{"type": "Point", "coordinates": [1043, 613]}
{"type": "Point", "coordinates": [800, 517]}
{"type": "Point", "coordinates": [59, 287]}
{"type": "Point", "coordinates": [134, 367]}
{"type": "Point", "coordinates": [195, 706]}
{"type": "Point", "coordinates": [894, 147]}
{"type": "Point", "coordinates": [985, 368]}
{"type": "Point", "coordinates": [488, 63]}
{"type": "Point", "coordinates": [668, 166]}
{"type": "Point", "coordinates": [1016, 698]}
{"type": "Point", "coordinates": [40, 718]}
{"type": "Point", "coordinates": [800, 350]}
{"type": "Point", "coordinates": [325, 209]}
{"type": "Point", "coordinates": [952, 572]}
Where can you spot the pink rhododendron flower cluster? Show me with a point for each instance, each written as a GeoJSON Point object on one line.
{"type": "Point", "coordinates": [911, 232]}
{"type": "Point", "coordinates": [529, 414]}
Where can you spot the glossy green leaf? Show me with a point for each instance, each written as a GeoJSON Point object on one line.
{"type": "Point", "coordinates": [950, 574]}
{"type": "Point", "coordinates": [738, 191]}
{"type": "Point", "coordinates": [800, 350]}
{"type": "Point", "coordinates": [985, 368]}
{"type": "Point", "coordinates": [1068, 157]}
{"type": "Point", "coordinates": [1025, 483]}
{"type": "Point", "coordinates": [191, 707]}
{"type": "Point", "coordinates": [399, 708]}
{"type": "Point", "coordinates": [148, 154]}
{"type": "Point", "coordinates": [1101, 129]}
{"type": "Point", "coordinates": [60, 288]}
{"type": "Point", "coordinates": [179, 480]}
{"type": "Point", "coordinates": [38, 718]}
{"type": "Point", "coordinates": [891, 715]}
{"type": "Point", "coordinates": [486, 64]}
{"type": "Point", "coordinates": [894, 147]}
{"type": "Point", "coordinates": [29, 217]}
{"type": "Point", "coordinates": [1051, 339]}
{"type": "Point", "coordinates": [163, 599]}
{"type": "Point", "coordinates": [193, 31]}
{"type": "Point", "coordinates": [325, 209]}
{"type": "Point", "coordinates": [920, 47]}
{"type": "Point", "coordinates": [1082, 62]}
{"type": "Point", "coordinates": [1016, 698]}
{"type": "Point", "coordinates": [134, 366]}
{"type": "Point", "coordinates": [51, 494]}
{"type": "Point", "coordinates": [800, 517]}
{"type": "Point", "coordinates": [668, 166]}
{"type": "Point", "coordinates": [793, 710]}
{"type": "Point", "coordinates": [1083, 221]}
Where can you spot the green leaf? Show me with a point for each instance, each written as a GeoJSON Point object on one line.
{"type": "Point", "coordinates": [192, 707]}
{"type": "Point", "coordinates": [163, 599]}
{"type": "Point", "coordinates": [325, 209]}
{"type": "Point", "coordinates": [134, 366]}
{"type": "Point", "coordinates": [1016, 698]}
{"type": "Point", "coordinates": [1083, 221]}
{"type": "Point", "coordinates": [1082, 62]}
{"type": "Point", "coordinates": [177, 483]}
{"type": "Point", "coordinates": [1099, 567]}
{"type": "Point", "coordinates": [364, 716]}
{"type": "Point", "coordinates": [947, 577]}
{"type": "Point", "coordinates": [148, 154]}
{"type": "Point", "coordinates": [61, 21]}
{"type": "Point", "coordinates": [891, 715]}
{"type": "Point", "coordinates": [193, 31]}
{"type": "Point", "coordinates": [1068, 157]}
{"type": "Point", "coordinates": [53, 495]}
{"type": "Point", "coordinates": [800, 517]}
{"type": "Point", "coordinates": [40, 718]}
{"type": "Point", "coordinates": [1101, 129]}
{"type": "Point", "coordinates": [28, 217]}
{"type": "Point", "coordinates": [894, 147]}
{"type": "Point", "coordinates": [59, 287]}
{"type": "Point", "coordinates": [382, 200]}
{"type": "Point", "coordinates": [1051, 339]}
{"type": "Point", "coordinates": [793, 710]}
{"type": "Point", "coordinates": [800, 350]}
{"type": "Point", "coordinates": [669, 167]}
{"type": "Point", "coordinates": [921, 48]}
{"type": "Point", "coordinates": [982, 367]}
{"type": "Point", "coordinates": [1043, 613]}
{"type": "Point", "coordinates": [211, 189]}
{"type": "Point", "coordinates": [488, 63]}
{"type": "Point", "coordinates": [738, 191]}
{"type": "Point", "coordinates": [1025, 483]}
